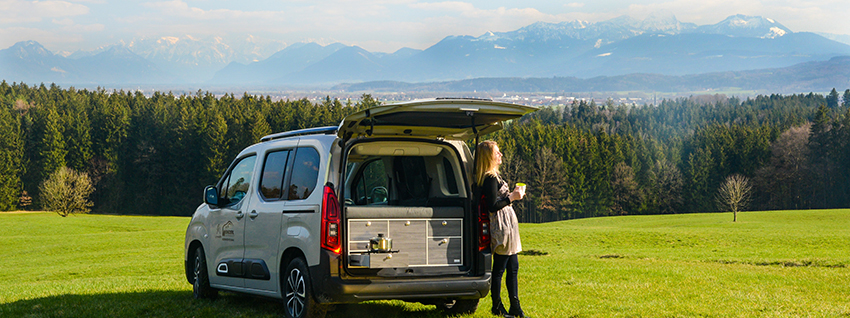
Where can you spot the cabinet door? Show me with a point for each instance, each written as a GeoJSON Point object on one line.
{"type": "Point", "coordinates": [445, 242]}
{"type": "Point", "coordinates": [445, 251]}
{"type": "Point", "coordinates": [409, 236]}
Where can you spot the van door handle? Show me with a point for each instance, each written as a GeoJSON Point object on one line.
{"type": "Point", "coordinates": [240, 215]}
{"type": "Point", "coordinates": [253, 214]}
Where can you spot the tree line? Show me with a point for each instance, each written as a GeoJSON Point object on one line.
{"type": "Point", "coordinates": [144, 154]}
{"type": "Point", "coordinates": [587, 160]}
{"type": "Point", "coordinates": [152, 154]}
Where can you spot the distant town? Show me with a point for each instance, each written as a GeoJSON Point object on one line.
{"type": "Point", "coordinates": [531, 99]}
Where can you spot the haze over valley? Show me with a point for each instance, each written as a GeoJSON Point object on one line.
{"type": "Point", "coordinates": [656, 54]}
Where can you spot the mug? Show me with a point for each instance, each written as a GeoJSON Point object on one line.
{"type": "Point", "coordinates": [521, 186]}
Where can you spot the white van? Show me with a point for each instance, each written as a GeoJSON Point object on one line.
{"type": "Point", "coordinates": [380, 207]}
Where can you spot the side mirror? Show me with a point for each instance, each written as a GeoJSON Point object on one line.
{"type": "Point", "coordinates": [211, 195]}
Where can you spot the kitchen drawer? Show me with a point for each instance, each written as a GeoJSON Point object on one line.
{"type": "Point", "coordinates": [445, 227]}
{"type": "Point", "coordinates": [379, 260]}
{"type": "Point", "coordinates": [365, 230]}
{"type": "Point", "coordinates": [445, 251]}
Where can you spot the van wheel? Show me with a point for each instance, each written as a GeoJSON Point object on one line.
{"type": "Point", "coordinates": [298, 294]}
{"type": "Point", "coordinates": [201, 286]}
{"type": "Point", "coordinates": [454, 307]}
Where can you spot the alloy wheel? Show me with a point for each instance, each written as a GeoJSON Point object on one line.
{"type": "Point", "coordinates": [296, 295]}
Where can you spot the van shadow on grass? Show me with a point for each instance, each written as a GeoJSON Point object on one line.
{"type": "Point", "coordinates": [181, 304]}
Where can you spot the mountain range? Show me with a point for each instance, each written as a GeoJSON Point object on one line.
{"type": "Point", "coordinates": [816, 76]}
{"type": "Point", "coordinates": [658, 44]}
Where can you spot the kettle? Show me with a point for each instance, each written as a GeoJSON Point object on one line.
{"type": "Point", "coordinates": [381, 243]}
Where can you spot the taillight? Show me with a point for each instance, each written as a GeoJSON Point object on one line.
{"type": "Point", "coordinates": [483, 226]}
{"type": "Point", "coordinates": [330, 221]}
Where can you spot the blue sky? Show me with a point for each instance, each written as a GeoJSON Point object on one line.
{"type": "Point", "coordinates": [376, 25]}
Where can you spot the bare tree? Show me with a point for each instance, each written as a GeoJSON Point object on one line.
{"type": "Point", "coordinates": [734, 194]}
{"type": "Point", "coordinates": [547, 184]}
{"type": "Point", "coordinates": [627, 192]}
{"type": "Point", "coordinates": [783, 183]}
{"type": "Point", "coordinates": [667, 183]}
{"type": "Point", "coordinates": [67, 191]}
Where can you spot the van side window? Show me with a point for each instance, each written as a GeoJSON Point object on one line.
{"type": "Point", "coordinates": [305, 173]}
{"type": "Point", "coordinates": [271, 182]}
{"type": "Point", "coordinates": [372, 184]}
{"type": "Point", "coordinates": [236, 183]}
{"type": "Point", "coordinates": [450, 176]}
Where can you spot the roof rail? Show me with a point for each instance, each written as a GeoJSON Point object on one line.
{"type": "Point", "coordinates": [327, 130]}
{"type": "Point", "coordinates": [464, 98]}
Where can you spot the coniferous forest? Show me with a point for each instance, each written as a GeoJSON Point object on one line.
{"type": "Point", "coordinates": [154, 154]}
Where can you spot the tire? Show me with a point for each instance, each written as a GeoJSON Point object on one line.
{"type": "Point", "coordinates": [455, 307]}
{"type": "Point", "coordinates": [297, 293]}
{"type": "Point", "coordinates": [201, 287]}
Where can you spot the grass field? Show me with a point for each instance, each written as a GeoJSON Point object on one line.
{"type": "Point", "coordinates": [768, 264]}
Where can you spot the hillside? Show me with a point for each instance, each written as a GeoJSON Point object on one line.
{"type": "Point", "coordinates": [817, 76]}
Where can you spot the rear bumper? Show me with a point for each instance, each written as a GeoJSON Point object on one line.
{"type": "Point", "coordinates": [347, 291]}
{"type": "Point", "coordinates": [329, 287]}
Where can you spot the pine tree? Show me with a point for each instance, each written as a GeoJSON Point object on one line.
{"type": "Point", "coordinates": [832, 99]}
{"type": "Point", "coordinates": [847, 98]}
{"type": "Point", "coordinates": [212, 129]}
{"type": "Point", "coordinates": [11, 155]}
{"type": "Point", "coordinates": [46, 147]}
{"type": "Point", "coordinates": [260, 127]}
{"type": "Point", "coordinates": [821, 151]}
{"type": "Point", "coordinates": [78, 133]}
{"type": "Point", "coordinates": [698, 170]}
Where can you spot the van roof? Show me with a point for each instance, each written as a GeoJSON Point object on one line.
{"type": "Point", "coordinates": [326, 130]}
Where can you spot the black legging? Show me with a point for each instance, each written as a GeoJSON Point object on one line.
{"type": "Point", "coordinates": [500, 264]}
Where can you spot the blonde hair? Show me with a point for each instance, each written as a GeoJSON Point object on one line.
{"type": "Point", "coordinates": [485, 163]}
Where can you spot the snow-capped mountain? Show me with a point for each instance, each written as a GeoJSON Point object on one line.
{"type": "Point", "coordinates": [608, 31]}
{"type": "Point", "coordinates": [189, 50]}
{"type": "Point", "coordinates": [30, 62]}
{"type": "Point", "coordinates": [197, 59]}
{"type": "Point", "coordinates": [746, 26]}
{"type": "Point", "coordinates": [664, 22]}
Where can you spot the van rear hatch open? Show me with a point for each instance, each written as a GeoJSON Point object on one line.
{"type": "Point", "coordinates": [457, 119]}
{"type": "Point", "coordinates": [408, 179]}
{"type": "Point", "coordinates": [412, 194]}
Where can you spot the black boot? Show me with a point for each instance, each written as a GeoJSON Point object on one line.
{"type": "Point", "coordinates": [498, 309]}
{"type": "Point", "coordinates": [516, 310]}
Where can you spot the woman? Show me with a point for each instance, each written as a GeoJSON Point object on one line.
{"type": "Point", "coordinates": [504, 233]}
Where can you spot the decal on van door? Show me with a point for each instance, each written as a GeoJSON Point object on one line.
{"type": "Point", "coordinates": [225, 231]}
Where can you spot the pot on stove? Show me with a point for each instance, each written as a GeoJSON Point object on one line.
{"type": "Point", "coordinates": [380, 243]}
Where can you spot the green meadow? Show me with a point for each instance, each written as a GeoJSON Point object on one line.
{"type": "Point", "coordinates": [768, 264]}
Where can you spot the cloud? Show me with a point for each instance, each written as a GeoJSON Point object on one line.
{"type": "Point", "coordinates": [701, 12]}
{"type": "Point", "coordinates": [799, 16]}
{"type": "Point", "coordinates": [65, 21]}
{"type": "Point", "coordinates": [19, 11]}
{"type": "Point", "coordinates": [574, 5]}
{"type": "Point", "coordinates": [97, 27]}
{"type": "Point", "coordinates": [182, 9]}
{"type": "Point", "coordinates": [465, 9]}
{"type": "Point", "coordinates": [449, 6]}
{"type": "Point", "coordinates": [51, 40]}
